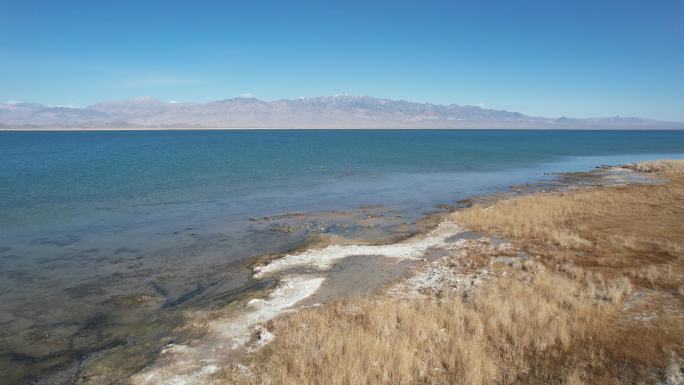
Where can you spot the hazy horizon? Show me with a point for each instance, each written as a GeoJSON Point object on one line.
{"type": "Point", "coordinates": [338, 111]}
{"type": "Point", "coordinates": [580, 59]}
{"type": "Point", "coordinates": [145, 98]}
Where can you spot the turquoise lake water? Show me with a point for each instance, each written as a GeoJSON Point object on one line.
{"type": "Point", "coordinates": [54, 179]}
{"type": "Point", "coordinates": [90, 216]}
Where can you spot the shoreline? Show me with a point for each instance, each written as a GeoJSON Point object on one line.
{"type": "Point", "coordinates": [476, 264]}
{"type": "Point", "coordinates": [328, 268]}
{"type": "Point", "coordinates": [244, 332]}
{"type": "Point", "coordinates": [4, 129]}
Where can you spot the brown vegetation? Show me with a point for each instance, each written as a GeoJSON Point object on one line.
{"type": "Point", "coordinates": [580, 313]}
{"type": "Point", "coordinates": [532, 327]}
{"type": "Point", "coordinates": [627, 230]}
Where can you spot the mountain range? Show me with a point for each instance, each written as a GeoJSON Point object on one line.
{"type": "Point", "coordinates": [339, 111]}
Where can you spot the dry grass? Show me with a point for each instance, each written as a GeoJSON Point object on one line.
{"type": "Point", "coordinates": [662, 166]}
{"type": "Point", "coordinates": [529, 327]}
{"type": "Point", "coordinates": [613, 230]}
{"type": "Point", "coordinates": [547, 322]}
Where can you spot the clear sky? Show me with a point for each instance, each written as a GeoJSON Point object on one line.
{"type": "Point", "coordinates": [549, 58]}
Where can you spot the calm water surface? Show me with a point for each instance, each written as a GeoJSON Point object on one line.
{"type": "Point", "coordinates": [104, 235]}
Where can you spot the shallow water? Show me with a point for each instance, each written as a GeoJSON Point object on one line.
{"type": "Point", "coordinates": [106, 238]}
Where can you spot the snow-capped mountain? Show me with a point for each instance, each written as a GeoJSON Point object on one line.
{"type": "Point", "coordinates": [339, 111]}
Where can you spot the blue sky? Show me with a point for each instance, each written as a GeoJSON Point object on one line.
{"type": "Point", "coordinates": [549, 58]}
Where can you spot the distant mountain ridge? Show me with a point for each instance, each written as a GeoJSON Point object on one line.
{"type": "Point", "coordinates": [339, 111]}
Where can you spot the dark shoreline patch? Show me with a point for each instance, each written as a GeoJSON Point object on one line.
{"type": "Point", "coordinates": [60, 242]}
